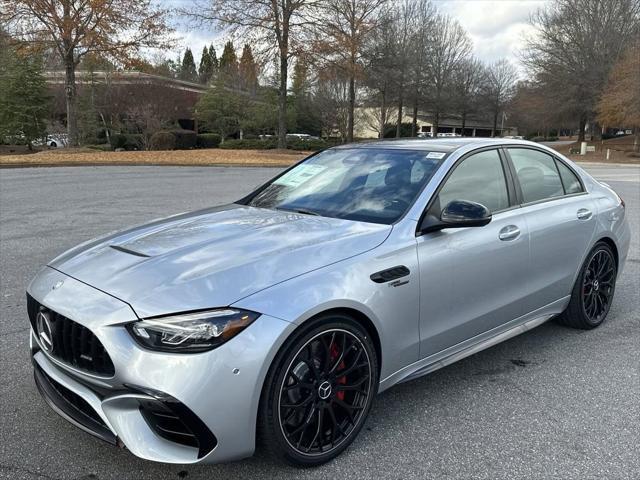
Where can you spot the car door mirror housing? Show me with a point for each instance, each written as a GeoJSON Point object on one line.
{"type": "Point", "coordinates": [457, 214]}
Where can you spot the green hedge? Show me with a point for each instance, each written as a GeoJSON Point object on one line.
{"type": "Point", "coordinates": [208, 140]}
{"type": "Point", "coordinates": [271, 143]}
{"type": "Point", "coordinates": [162, 141]}
{"type": "Point", "coordinates": [185, 139]}
{"type": "Point", "coordinates": [127, 141]}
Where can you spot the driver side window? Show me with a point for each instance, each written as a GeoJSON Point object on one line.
{"type": "Point", "coordinates": [479, 178]}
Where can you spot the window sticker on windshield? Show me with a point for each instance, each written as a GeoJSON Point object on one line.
{"type": "Point", "coordinates": [299, 175]}
{"type": "Point", "coordinates": [437, 155]}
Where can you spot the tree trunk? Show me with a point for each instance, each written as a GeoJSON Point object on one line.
{"type": "Point", "coordinates": [414, 122]}
{"type": "Point", "coordinates": [71, 99]}
{"type": "Point", "coordinates": [282, 101]}
{"type": "Point", "coordinates": [399, 123]}
{"type": "Point", "coordinates": [436, 123]}
{"type": "Point", "coordinates": [383, 115]}
{"type": "Point", "coordinates": [352, 106]}
{"type": "Point", "coordinates": [464, 123]}
{"type": "Point", "coordinates": [495, 124]}
{"type": "Point", "coordinates": [581, 124]}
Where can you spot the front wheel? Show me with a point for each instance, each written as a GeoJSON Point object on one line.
{"type": "Point", "coordinates": [593, 292]}
{"type": "Point", "coordinates": [319, 391]}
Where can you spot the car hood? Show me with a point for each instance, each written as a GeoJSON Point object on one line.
{"type": "Point", "coordinates": [214, 257]}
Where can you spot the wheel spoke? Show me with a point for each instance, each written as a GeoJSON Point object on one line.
{"type": "Point", "coordinates": [301, 404]}
{"type": "Point", "coordinates": [315, 436]}
{"type": "Point", "coordinates": [343, 352]}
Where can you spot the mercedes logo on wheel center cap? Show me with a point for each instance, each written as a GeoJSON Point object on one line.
{"type": "Point", "coordinates": [324, 390]}
{"type": "Point", "coordinates": [45, 333]}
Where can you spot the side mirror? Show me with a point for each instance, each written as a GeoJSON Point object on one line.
{"type": "Point", "coordinates": [458, 214]}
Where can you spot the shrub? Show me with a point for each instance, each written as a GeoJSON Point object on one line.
{"type": "Point", "coordinates": [118, 140]}
{"type": "Point", "coordinates": [208, 140]}
{"type": "Point", "coordinates": [133, 141]}
{"type": "Point", "coordinates": [162, 141]}
{"type": "Point", "coordinates": [185, 139]}
{"type": "Point", "coordinates": [249, 144]}
{"type": "Point", "coordinates": [127, 141]}
{"type": "Point", "coordinates": [313, 145]}
{"type": "Point", "coordinates": [103, 147]}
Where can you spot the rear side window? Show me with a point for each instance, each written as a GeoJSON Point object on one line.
{"type": "Point", "coordinates": [569, 179]}
{"type": "Point", "coordinates": [479, 178]}
{"type": "Point", "coordinates": [537, 173]}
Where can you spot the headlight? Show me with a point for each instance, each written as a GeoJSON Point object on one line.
{"type": "Point", "coordinates": [191, 332]}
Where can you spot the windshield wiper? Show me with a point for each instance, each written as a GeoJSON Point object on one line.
{"type": "Point", "coordinates": [304, 211]}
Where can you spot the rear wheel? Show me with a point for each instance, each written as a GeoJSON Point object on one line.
{"type": "Point", "coordinates": [319, 391]}
{"type": "Point", "coordinates": [593, 292]}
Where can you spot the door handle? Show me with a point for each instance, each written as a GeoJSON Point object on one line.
{"type": "Point", "coordinates": [510, 232]}
{"type": "Point", "coordinates": [584, 214]}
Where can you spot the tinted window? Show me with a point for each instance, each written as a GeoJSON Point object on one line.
{"type": "Point", "coordinates": [569, 179]}
{"type": "Point", "coordinates": [537, 173]}
{"type": "Point", "coordinates": [365, 184]}
{"type": "Point", "coordinates": [479, 178]}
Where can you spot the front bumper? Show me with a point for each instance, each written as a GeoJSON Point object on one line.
{"type": "Point", "coordinates": [213, 395]}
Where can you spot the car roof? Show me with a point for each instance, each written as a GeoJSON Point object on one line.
{"type": "Point", "coordinates": [435, 144]}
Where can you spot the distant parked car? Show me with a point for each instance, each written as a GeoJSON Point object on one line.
{"type": "Point", "coordinates": [620, 133]}
{"type": "Point", "coordinates": [301, 136]}
{"type": "Point", "coordinates": [56, 140]}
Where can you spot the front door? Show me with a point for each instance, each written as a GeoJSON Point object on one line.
{"type": "Point", "coordinates": [472, 279]}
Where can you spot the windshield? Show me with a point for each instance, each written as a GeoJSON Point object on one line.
{"type": "Point", "coordinates": [364, 184]}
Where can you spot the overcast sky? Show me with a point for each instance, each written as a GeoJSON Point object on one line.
{"type": "Point", "coordinates": [497, 27]}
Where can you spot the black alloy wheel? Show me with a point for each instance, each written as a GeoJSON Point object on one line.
{"type": "Point", "coordinates": [597, 286]}
{"type": "Point", "coordinates": [323, 389]}
{"type": "Point", "coordinates": [594, 289]}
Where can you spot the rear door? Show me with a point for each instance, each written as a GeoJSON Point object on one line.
{"type": "Point", "coordinates": [560, 216]}
{"type": "Point", "coordinates": [471, 279]}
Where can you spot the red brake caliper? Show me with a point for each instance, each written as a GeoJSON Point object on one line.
{"type": "Point", "coordinates": [335, 353]}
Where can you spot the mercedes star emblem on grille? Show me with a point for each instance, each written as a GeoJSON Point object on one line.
{"type": "Point", "coordinates": [45, 332]}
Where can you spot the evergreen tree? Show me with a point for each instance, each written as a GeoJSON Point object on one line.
{"type": "Point", "coordinates": [248, 71]}
{"type": "Point", "coordinates": [205, 71]}
{"type": "Point", "coordinates": [229, 65]}
{"type": "Point", "coordinates": [24, 102]}
{"type": "Point", "coordinates": [188, 69]}
{"type": "Point", "coordinates": [214, 57]}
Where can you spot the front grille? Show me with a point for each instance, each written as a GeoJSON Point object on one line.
{"type": "Point", "coordinates": [72, 343]}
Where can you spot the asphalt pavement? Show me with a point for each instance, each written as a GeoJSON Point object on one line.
{"type": "Point", "coordinates": [551, 403]}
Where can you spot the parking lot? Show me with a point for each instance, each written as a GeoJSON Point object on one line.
{"type": "Point", "coordinates": [551, 403]}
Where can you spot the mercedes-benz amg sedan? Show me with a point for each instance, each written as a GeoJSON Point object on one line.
{"type": "Point", "coordinates": [280, 316]}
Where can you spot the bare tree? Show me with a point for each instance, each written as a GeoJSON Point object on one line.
{"type": "Point", "coordinates": [449, 46]}
{"type": "Point", "coordinates": [279, 24]}
{"type": "Point", "coordinates": [332, 101]}
{"type": "Point", "coordinates": [575, 45]}
{"type": "Point", "coordinates": [404, 26]}
{"type": "Point", "coordinates": [343, 31]}
{"type": "Point", "coordinates": [499, 88]}
{"type": "Point", "coordinates": [380, 69]}
{"type": "Point", "coordinates": [467, 82]}
{"type": "Point", "coordinates": [424, 16]}
{"type": "Point", "coordinates": [117, 29]}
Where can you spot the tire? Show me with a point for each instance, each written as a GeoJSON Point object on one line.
{"type": "Point", "coordinates": [53, 145]}
{"type": "Point", "coordinates": [316, 397]}
{"type": "Point", "coordinates": [593, 291]}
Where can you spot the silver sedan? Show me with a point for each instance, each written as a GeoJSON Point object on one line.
{"type": "Point", "coordinates": [280, 316]}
